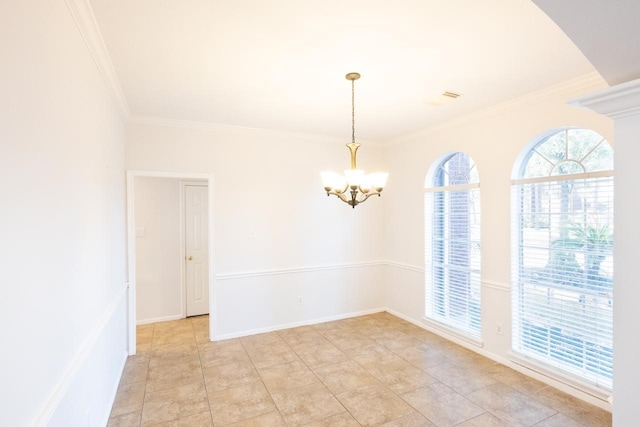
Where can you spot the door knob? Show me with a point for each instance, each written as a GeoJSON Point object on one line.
{"type": "Point", "coordinates": [190, 257]}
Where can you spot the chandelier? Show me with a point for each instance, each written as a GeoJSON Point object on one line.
{"type": "Point", "coordinates": [354, 187]}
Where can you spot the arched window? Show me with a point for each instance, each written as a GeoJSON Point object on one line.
{"type": "Point", "coordinates": [562, 259]}
{"type": "Point", "coordinates": [452, 244]}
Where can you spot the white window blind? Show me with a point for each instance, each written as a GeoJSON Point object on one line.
{"type": "Point", "coordinates": [562, 258]}
{"type": "Point", "coordinates": [452, 252]}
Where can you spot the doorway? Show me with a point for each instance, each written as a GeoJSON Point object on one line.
{"type": "Point", "coordinates": [177, 207]}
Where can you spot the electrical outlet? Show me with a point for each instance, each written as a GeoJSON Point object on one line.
{"type": "Point", "coordinates": [499, 328]}
{"type": "Point", "coordinates": [299, 300]}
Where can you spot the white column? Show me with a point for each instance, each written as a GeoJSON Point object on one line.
{"type": "Point", "coordinates": [622, 103]}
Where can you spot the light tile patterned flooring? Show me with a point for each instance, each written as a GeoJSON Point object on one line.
{"type": "Point", "coordinates": [369, 370]}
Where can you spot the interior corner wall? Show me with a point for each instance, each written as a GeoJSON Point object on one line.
{"type": "Point", "coordinates": [62, 180]}
{"type": "Point", "coordinates": [158, 249]}
{"type": "Point", "coordinates": [494, 141]}
{"type": "Point", "coordinates": [284, 253]}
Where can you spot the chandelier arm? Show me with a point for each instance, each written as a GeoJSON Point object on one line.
{"type": "Point", "coordinates": [358, 195]}
{"type": "Point", "coordinates": [337, 191]}
{"type": "Point", "coordinates": [344, 190]}
{"type": "Point", "coordinates": [366, 196]}
{"type": "Point", "coordinates": [365, 190]}
{"type": "Point", "coordinates": [354, 197]}
{"type": "Point", "coordinates": [343, 197]}
{"type": "Point", "coordinates": [371, 191]}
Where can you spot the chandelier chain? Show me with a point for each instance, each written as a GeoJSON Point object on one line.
{"type": "Point", "coordinates": [353, 112]}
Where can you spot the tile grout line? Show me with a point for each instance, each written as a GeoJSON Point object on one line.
{"type": "Point", "coordinates": [452, 361]}
{"type": "Point", "coordinates": [262, 382]}
{"type": "Point", "coordinates": [332, 393]}
{"type": "Point", "coordinates": [436, 382]}
{"type": "Point", "coordinates": [318, 378]}
{"type": "Point", "coordinates": [204, 380]}
{"type": "Point", "coordinates": [146, 380]}
{"type": "Point", "coordinates": [384, 385]}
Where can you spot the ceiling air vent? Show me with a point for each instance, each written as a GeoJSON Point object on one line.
{"type": "Point", "coordinates": [447, 96]}
{"type": "Point", "coordinates": [451, 95]}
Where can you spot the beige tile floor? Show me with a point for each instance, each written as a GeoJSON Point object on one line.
{"type": "Point", "coordinates": [375, 370]}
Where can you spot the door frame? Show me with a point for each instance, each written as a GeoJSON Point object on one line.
{"type": "Point", "coordinates": [131, 249]}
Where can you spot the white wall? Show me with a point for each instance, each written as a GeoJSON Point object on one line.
{"type": "Point", "coordinates": [158, 262]}
{"type": "Point", "coordinates": [622, 103]}
{"type": "Point", "coordinates": [493, 138]}
{"type": "Point", "coordinates": [627, 352]}
{"type": "Point", "coordinates": [626, 374]}
{"type": "Point", "coordinates": [268, 184]}
{"type": "Point", "coordinates": [62, 268]}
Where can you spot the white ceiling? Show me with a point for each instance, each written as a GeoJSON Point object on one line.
{"type": "Point", "coordinates": [280, 64]}
{"type": "Point", "coordinates": [607, 32]}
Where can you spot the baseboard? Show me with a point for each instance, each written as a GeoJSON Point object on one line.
{"type": "Point", "coordinates": [160, 319]}
{"type": "Point", "coordinates": [296, 324]}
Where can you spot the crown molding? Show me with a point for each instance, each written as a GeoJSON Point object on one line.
{"type": "Point", "coordinates": [618, 101]}
{"type": "Point", "coordinates": [85, 20]}
{"type": "Point", "coordinates": [210, 126]}
{"type": "Point", "coordinates": [585, 83]}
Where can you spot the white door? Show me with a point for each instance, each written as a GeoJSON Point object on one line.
{"type": "Point", "coordinates": [196, 249]}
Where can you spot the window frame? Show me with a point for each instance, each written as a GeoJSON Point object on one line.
{"type": "Point", "coordinates": [435, 259]}
{"type": "Point", "coordinates": [596, 385]}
